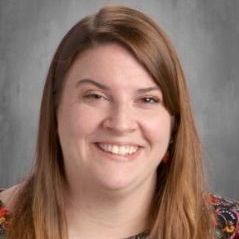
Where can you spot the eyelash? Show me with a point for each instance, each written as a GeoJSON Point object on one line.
{"type": "Point", "coordinates": [95, 96]}
{"type": "Point", "coordinates": [155, 100]}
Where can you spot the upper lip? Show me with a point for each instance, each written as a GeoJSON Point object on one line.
{"type": "Point", "coordinates": [119, 143]}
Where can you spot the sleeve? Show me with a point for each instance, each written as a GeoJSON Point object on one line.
{"type": "Point", "coordinates": [4, 220]}
{"type": "Point", "coordinates": [226, 217]}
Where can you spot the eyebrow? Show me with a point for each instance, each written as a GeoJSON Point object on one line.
{"type": "Point", "coordinates": [104, 87]}
{"type": "Point", "coordinates": [90, 81]}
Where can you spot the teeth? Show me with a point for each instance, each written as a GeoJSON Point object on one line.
{"type": "Point", "coordinates": [120, 150]}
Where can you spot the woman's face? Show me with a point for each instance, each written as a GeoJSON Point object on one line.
{"type": "Point", "coordinates": [113, 127]}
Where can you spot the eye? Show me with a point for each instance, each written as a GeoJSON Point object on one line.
{"type": "Point", "coordinates": [94, 96]}
{"type": "Point", "coordinates": [150, 100]}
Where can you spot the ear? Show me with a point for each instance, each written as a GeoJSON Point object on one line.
{"type": "Point", "coordinates": [172, 123]}
{"type": "Point", "coordinates": [174, 128]}
{"type": "Point", "coordinates": [165, 157]}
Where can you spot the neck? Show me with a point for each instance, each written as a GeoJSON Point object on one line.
{"type": "Point", "coordinates": [109, 214]}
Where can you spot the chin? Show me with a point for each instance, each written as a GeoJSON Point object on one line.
{"type": "Point", "coordinates": [117, 182]}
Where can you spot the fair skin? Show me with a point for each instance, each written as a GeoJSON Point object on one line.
{"type": "Point", "coordinates": [110, 101]}
{"type": "Point", "coordinates": [7, 196]}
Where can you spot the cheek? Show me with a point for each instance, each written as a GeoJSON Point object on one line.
{"type": "Point", "coordinates": [158, 129]}
{"type": "Point", "coordinates": [77, 121]}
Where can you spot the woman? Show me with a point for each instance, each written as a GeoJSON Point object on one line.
{"type": "Point", "coordinates": [118, 155]}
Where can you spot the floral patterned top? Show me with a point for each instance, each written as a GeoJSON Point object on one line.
{"type": "Point", "coordinates": [226, 219]}
{"type": "Point", "coordinates": [4, 220]}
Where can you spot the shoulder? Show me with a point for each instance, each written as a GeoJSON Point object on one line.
{"type": "Point", "coordinates": [5, 199]}
{"type": "Point", "coordinates": [7, 195]}
{"type": "Point", "coordinates": [226, 217]}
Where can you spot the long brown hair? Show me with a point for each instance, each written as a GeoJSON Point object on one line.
{"type": "Point", "coordinates": [179, 208]}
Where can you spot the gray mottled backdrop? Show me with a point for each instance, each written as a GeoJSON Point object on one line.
{"type": "Point", "coordinates": [205, 33]}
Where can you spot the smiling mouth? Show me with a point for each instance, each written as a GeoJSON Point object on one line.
{"type": "Point", "coordinates": [121, 150]}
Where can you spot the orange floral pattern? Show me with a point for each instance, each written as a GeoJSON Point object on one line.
{"type": "Point", "coordinates": [226, 217]}
{"type": "Point", "coordinates": [4, 219]}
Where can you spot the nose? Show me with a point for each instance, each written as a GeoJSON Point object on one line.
{"type": "Point", "coordinates": [121, 119]}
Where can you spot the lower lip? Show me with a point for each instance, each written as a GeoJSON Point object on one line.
{"type": "Point", "coordinates": [117, 157]}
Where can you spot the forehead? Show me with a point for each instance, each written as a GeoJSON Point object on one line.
{"type": "Point", "coordinates": [111, 64]}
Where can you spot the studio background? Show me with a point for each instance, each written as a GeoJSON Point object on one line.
{"type": "Point", "coordinates": [205, 34]}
